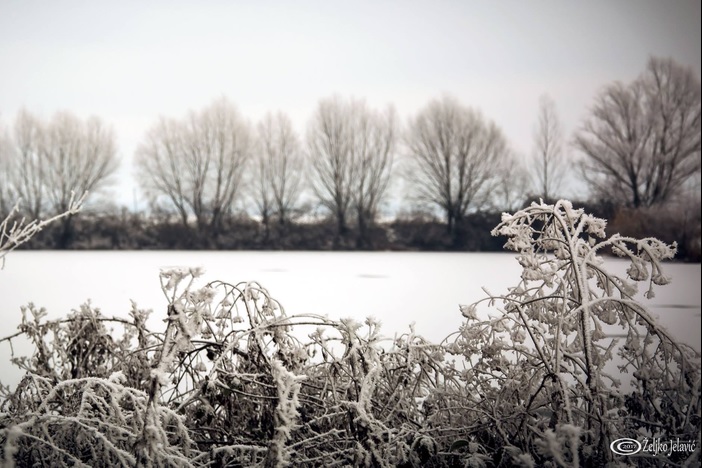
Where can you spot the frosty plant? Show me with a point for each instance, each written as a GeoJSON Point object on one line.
{"type": "Point", "coordinates": [15, 232]}
{"type": "Point", "coordinates": [544, 370]}
{"type": "Point", "coordinates": [79, 403]}
{"type": "Point", "coordinates": [232, 381]}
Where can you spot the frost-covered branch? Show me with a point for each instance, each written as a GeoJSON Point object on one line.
{"type": "Point", "coordinates": [15, 232]}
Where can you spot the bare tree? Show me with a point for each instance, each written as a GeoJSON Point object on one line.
{"type": "Point", "coordinates": [549, 163]}
{"type": "Point", "coordinates": [278, 171]}
{"type": "Point", "coordinates": [197, 164]}
{"type": "Point", "coordinates": [642, 140]}
{"type": "Point", "coordinates": [329, 141]}
{"type": "Point", "coordinates": [351, 150]}
{"type": "Point", "coordinates": [454, 156]}
{"type": "Point", "coordinates": [79, 157]}
{"type": "Point", "coordinates": [49, 162]}
{"type": "Point", "coordinates": [160, 162]}
{"type": "Point", "coordinates": [512, 189]}
{"type": "Point", "coordinates": [262, 186]}
{"type": "Point", "coordinates": [28, 171]}
{"type": "Point", "coordinates": [375, 135]}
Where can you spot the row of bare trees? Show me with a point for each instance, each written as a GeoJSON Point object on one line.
{"type": "Point", "coordinates": [640, 147]}
{"type": "Point", "coordinates": [199, 165]}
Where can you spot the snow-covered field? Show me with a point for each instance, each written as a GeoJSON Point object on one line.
{"type": "Point", "coordinates": [396, 287]}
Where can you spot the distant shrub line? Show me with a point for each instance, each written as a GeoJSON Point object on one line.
{"type": "Point", "coordinates": [531, 378]}
{"type": "Point", "coordinates": [130, 231]}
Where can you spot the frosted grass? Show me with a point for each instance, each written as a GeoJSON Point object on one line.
{"type": "Point", "coordinates": [397, 288]}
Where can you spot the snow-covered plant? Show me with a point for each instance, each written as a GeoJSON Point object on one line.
{"type": "Point", "coordinates": [81, 344]}
{"type": "Point", "coordinates": [544, 374]}
{"type": "Point", "coordinates": [16, 230]}
{"type": "Point", "coordinates": [86, 422]}
{"type": "Point", "coordinates": [266, 388]}
{"type": "Point", "coordinates": [252, 386]}
{"type": "Point", "coordinates": [80, 402]}
{"type": "Point", "coordinates": [285, 418]}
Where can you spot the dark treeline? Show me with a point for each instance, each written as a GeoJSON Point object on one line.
{"type": "Point", "coordinates": [213, 180]}
{"type": "Point", "coordinates": [134, 231]}
{"type": "Point", "coordinates": [130, 231]}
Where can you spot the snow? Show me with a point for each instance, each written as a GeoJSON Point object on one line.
{"type": "Point", "coordinates": [397, 288]}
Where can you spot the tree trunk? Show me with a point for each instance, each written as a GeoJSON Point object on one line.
{"type": "Point", "coordinates": [67, 233]}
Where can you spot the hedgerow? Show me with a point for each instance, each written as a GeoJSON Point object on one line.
{"type": "Point", "coordinates": [531, 378]}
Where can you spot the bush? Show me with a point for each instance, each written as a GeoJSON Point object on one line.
{"type": "Point", "coordinates": [538, 376]}
{"type": "Point", "coordinates": [233, 381]}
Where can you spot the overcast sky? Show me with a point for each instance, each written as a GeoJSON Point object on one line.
{"type": "Point", "coordinates": [129, 62]}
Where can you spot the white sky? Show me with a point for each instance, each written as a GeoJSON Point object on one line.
{"type": "Point", "coordinates": [129, 62]}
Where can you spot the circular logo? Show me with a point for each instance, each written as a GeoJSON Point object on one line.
{"type": "Point", "coordinates": [625, 446]}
